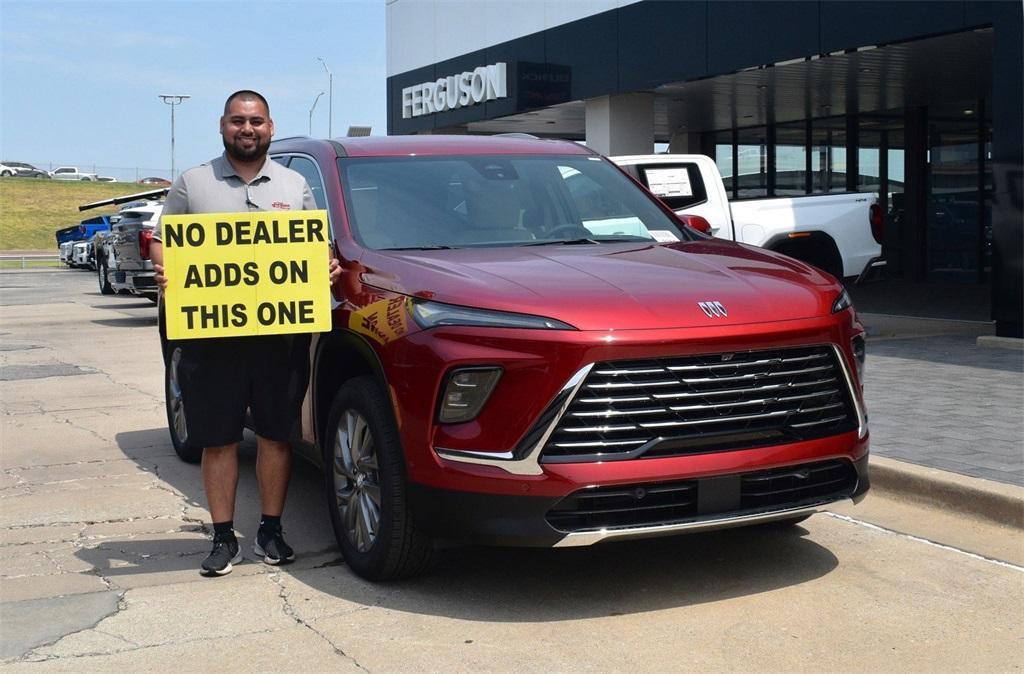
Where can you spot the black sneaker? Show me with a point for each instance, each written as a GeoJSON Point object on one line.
{"type": "Point", "coordinates": [271, 547]}
{"type": "Point", "coordinates": [225, 553]}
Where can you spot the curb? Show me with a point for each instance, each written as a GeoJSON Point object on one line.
{"type": "Point", "coordinates": [995, 501]}
{"type": "Point", "coordinates": [993, 342]}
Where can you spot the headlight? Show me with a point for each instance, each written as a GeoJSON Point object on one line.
{"type": "Point", "coordinates": [842, 302]}
{"type": "Point", "coordinates": [465, 393]}
{"type": "Point", "coordinates": [859, 348]}
{"type": "Point", "coordinates": [432, 314]}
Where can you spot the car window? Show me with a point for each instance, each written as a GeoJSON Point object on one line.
{"type": "Point", "coordinates": [309, 171]}
{"type": "Point", "coordinates": [415, 202]}
{"type": "Point", "coordinates": [678, 185]}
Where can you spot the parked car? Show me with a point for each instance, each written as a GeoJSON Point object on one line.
{"type": "Point", "coordinates": [519, 359]}
{"type": "Point", "coordinates": [71, 173]}
{"type": "Point", "coordinates": [21, 170]}
{"type": "Point", "coordinates": [69, 238]}
{"type": "Point", "coordinates": [838, 233]}
{"type": "Point", "coordinates": [155, 181]}
{"type": "Point", "coordinates": [81, 254]}
{"type": "Point", "coordinates": [126, 265]}
{"type": "Point", "coordinates": [64, 252]}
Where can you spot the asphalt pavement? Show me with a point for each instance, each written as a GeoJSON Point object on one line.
{"type": "Point", "coordinates": [102, 529]}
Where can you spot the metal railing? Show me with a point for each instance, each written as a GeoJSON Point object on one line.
{"type": "Point", "coordinates": [23, 261]}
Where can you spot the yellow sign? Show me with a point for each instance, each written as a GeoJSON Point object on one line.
{"type": "Point", "coordinates": [242, 274]}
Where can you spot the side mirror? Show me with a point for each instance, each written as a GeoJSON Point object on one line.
{"type": "Point", "coordinates": [695, 222]}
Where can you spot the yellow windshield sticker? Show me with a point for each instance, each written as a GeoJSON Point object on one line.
{"type": "Point", "coordinates": [243, 274]}
{"type": "Point", "coordinates": [382, 321]}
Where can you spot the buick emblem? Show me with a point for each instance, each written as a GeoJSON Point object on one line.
{"type": "Point", "coordinates": [713, 309]}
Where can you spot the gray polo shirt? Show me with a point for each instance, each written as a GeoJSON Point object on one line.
{"type": "Point", "coordinates": [215, 187]}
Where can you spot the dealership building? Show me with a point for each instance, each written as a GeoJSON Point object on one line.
{"type": "Point", "coordinates": [919, 103]}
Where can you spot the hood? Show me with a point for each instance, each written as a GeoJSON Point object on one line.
{"type": "Point", "coordinates": [613, 286]}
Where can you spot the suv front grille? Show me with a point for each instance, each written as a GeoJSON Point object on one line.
{"type": "Point", "coordinates": [699, 404]}
{"type": "Point", "coordinates": [627, 506]}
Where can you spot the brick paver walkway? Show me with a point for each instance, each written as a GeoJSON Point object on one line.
{"type": "Point", "coordinates": [944, 402]}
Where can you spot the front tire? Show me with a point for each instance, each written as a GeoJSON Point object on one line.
{"type": "Point", "coordinates": [176, 411]}
{"type": "Point", "coordinates": [364, 471]}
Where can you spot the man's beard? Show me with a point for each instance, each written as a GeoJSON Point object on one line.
{"type": "Point", "coordinates": [257, 151]}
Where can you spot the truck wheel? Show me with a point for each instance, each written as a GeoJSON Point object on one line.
{"type": "Point", "coordinates": [176, 412]}
{"type": "Point", "coordinates": [101, 273]}
{"type": "Point", "coordinates": [364, 471]}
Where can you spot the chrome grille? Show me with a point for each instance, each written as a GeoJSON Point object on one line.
{"type": "Point", "coordinates": [707, 403]}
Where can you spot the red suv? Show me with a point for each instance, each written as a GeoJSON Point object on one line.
{"type": "Point", "coordinates": [530, 349]}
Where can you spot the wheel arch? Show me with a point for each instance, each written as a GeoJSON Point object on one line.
{"type": "Point", "coordinates": [816, 248]}
{"type": "Point", "coordinates": [340, 356]}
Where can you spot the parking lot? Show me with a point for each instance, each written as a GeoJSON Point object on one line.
{"type": "Point", "coordinates": [102, 530]}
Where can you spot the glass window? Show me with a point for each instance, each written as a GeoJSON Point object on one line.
{"type": "Point", "coordinates": [828, 155]}
{"type": "Point", "coordinates": [791, 159]}
{"type": "Point", "coordinates": [452, 202]}
{"type": "Point", "coordinates": [309, 171]}
{"type": "Point", "coordinates": [752, 162]}
{"type": "Point", "coordinates": [723, 158]}
{"type": "Point", "coordinates": [678, 185]}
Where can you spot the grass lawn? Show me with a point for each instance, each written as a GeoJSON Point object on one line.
{"type": "Point", "coordinates": [31, 209]}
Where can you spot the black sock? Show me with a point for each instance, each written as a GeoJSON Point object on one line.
{"type": "Point", "coordinates": [269, 522]}
{"type": "Point", "coordinates": [223, 529]}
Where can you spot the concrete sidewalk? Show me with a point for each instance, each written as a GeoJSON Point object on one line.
{"type": "Point", "coordinates": [937, 399]}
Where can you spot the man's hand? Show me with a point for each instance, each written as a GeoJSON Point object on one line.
{"type": "Point", "coordinates": [334, 271]}
{"type": "Point", "coordinates": [161, 280]}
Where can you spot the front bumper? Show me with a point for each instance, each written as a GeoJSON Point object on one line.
{"type": "Point", "coordinates": [467, 517]}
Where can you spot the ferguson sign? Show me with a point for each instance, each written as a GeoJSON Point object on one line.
{"type": "Point", "coordinates": [485, 83]}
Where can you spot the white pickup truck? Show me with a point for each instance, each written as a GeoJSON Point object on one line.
{"type": "Point", "coordinates": [839, 233]}
{"type": "Point", "coordinates": [71, 173]}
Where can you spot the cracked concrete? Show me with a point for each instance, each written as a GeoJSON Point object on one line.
{"type": "Point", "coordinates": [102, 529]}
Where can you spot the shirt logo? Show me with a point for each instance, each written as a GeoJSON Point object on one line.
{"type": "Point", "coordinates": [280, 205]}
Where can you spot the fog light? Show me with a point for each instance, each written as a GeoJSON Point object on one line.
{"type": "Point", "coordinates": [465, 393]}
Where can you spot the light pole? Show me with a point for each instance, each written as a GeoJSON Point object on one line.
{"type": "Point", "coordinates": [330, 97]}
{"type": "Point", "coordinates": [315, 101]}
{"type": "Point", "coordinates": [173, 100]}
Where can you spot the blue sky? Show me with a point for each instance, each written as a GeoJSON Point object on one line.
{"type": "Point", "coordinates": [79, 80]}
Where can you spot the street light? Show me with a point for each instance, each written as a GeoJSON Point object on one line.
{"type": "Point", "coordinates": [172, 100]}
{"type": "Point", "coordinates": [315, 101]}
{"type": "Point", "coordinates": [330, 97]}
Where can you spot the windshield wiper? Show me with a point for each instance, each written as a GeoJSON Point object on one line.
{"type": "Point", "coordinates": [560, 242]}
{"type": "Point", "coordinates": [430, 247]}
{"type": "Point", "coordinates": [575, 242]}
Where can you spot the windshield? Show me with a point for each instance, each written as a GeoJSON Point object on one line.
{"type": "Point", "coordinates": [454, 202]}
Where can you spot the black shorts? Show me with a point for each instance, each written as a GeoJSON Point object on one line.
{"type": "Point", "coordinates": [220, 378]}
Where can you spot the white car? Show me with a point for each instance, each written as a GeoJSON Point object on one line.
{"type": "Point", "coordinates": [71, 173]}
{"type": "Point", "coordinates": [839, 233]}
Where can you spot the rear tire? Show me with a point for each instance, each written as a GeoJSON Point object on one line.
{"type": "Point", "coordinates": [176, 411]}
{"type": "Point", "coordinates": [364, 472]}
{"type": "Point", "coordinates": [104, 282]}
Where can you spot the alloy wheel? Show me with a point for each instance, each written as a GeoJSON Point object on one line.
{"type": "Point", "coordinates": [174, 399]}
{"type": "Point", "coordinates": [357, 480]}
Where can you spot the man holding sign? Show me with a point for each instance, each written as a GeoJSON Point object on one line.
{"type": "Point", "coordinates": [239, 254]}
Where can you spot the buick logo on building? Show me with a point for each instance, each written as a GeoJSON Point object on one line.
{"type": "Point", "coordinates": [713, 309]}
